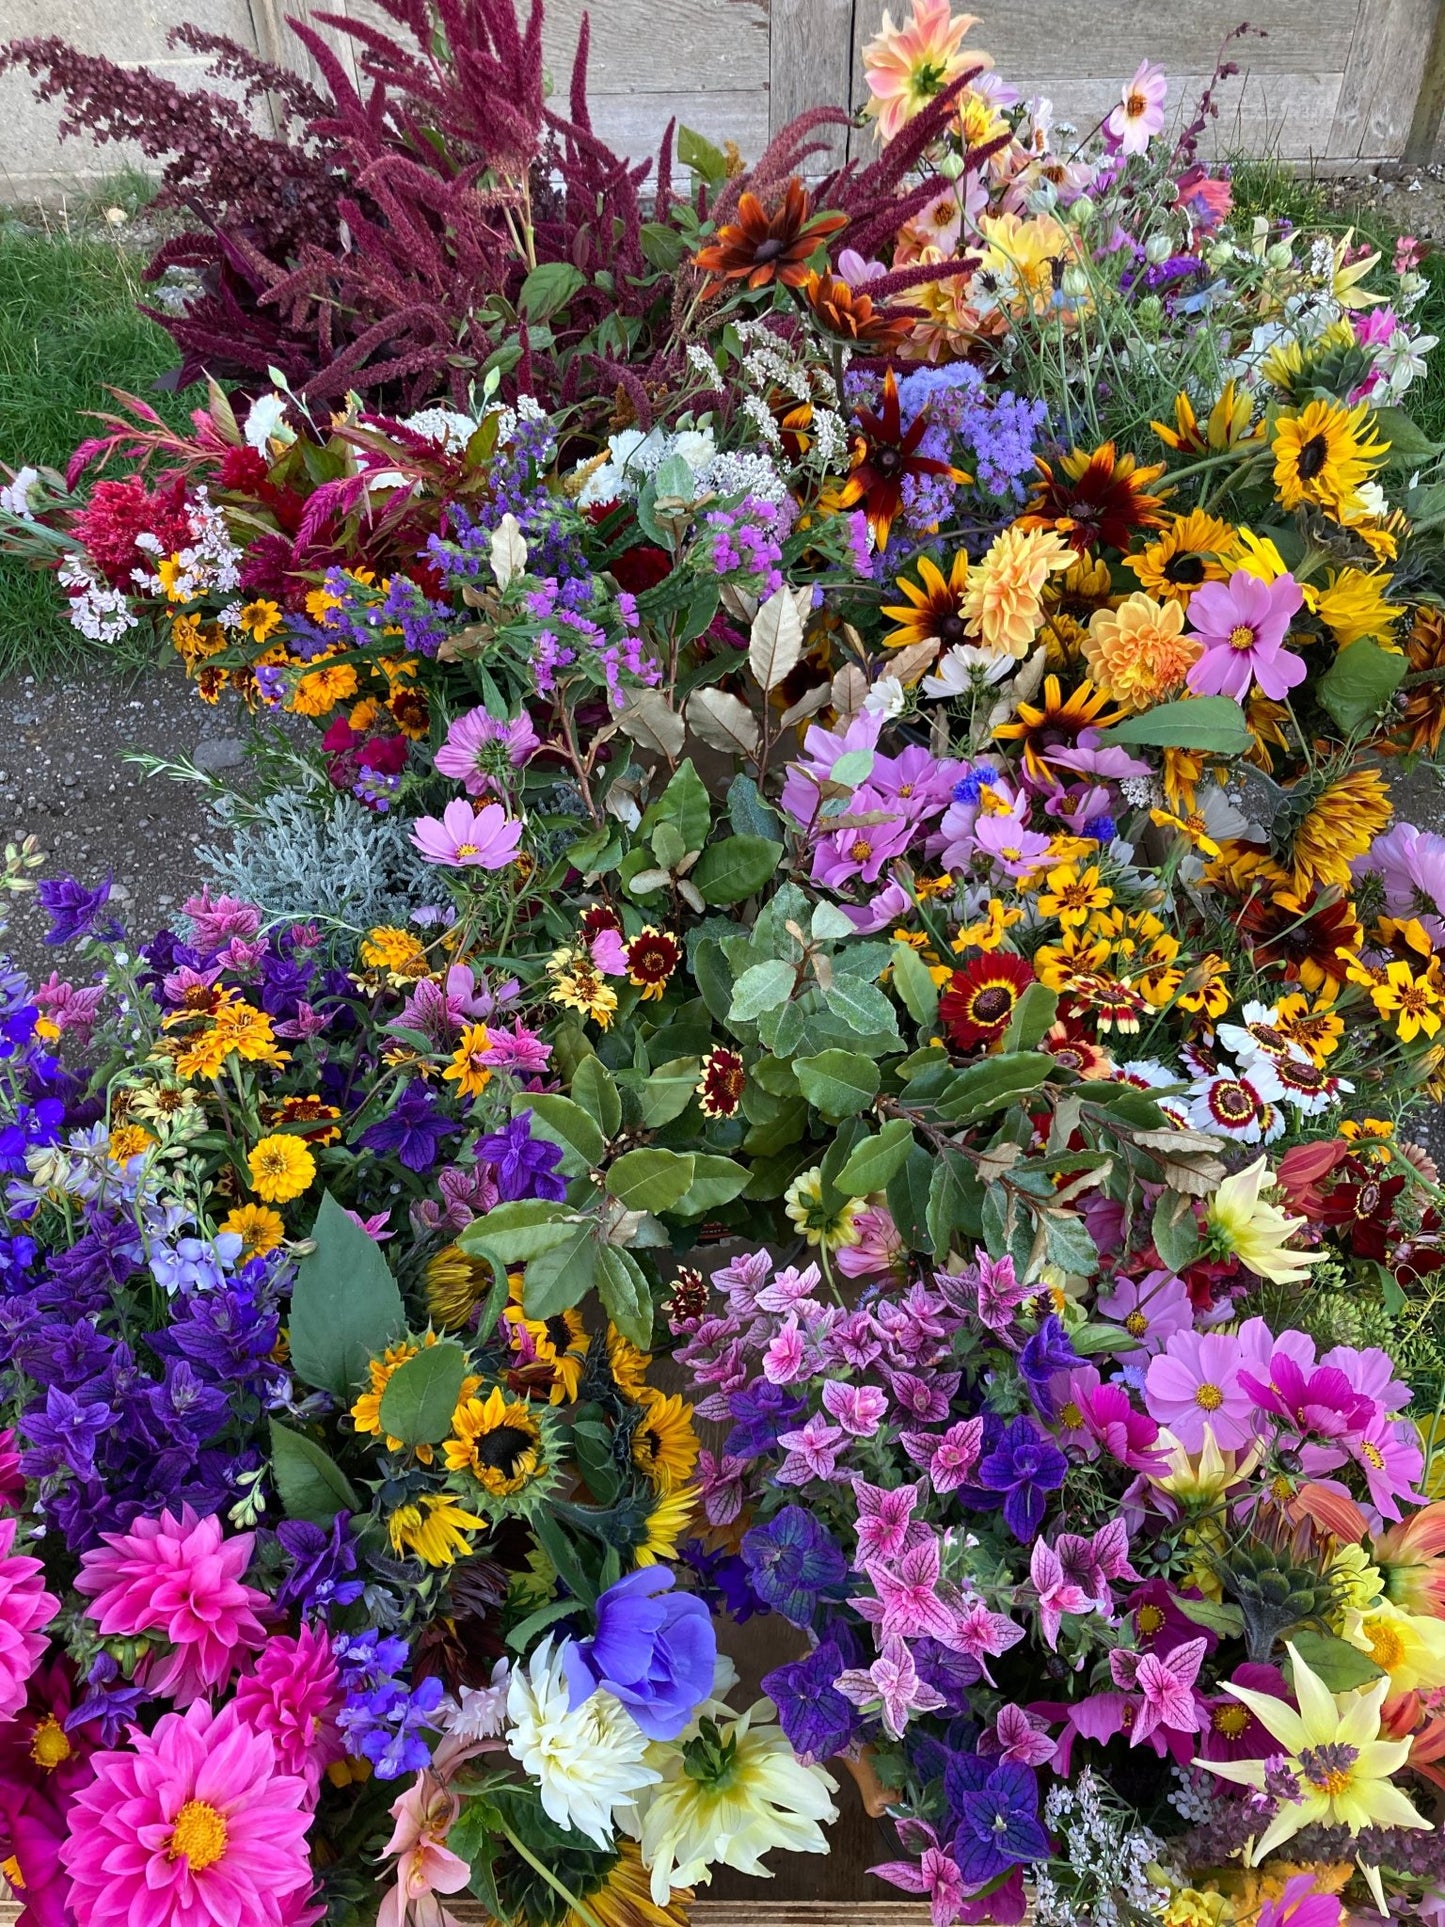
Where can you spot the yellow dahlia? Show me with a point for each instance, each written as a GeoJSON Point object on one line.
{"type": "Point", "coordinates": [1138, 654]}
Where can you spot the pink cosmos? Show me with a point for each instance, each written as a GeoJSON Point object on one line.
{"type": "Point", "coordinates": [425, 1864]}
{"type": "Point", "coordinates": [861, 847]}
{"type": "Point", "coordinates": [908, 1605]}
{"type": "Point", "coordinates": [1140, 113]}
{"type": "Point", "coordinates": [1243, 623]}
{"type": "Point", "coordinates": [1117, 1428]}
{"type": "Point", "coordinates": [1057, 1593]}
{"type": "Point", "coordinates": [1318, 1401]}
{"type": "Point", "coordinates": [463, 838]}
{"type": "Point", "coordinates": [1015, 850]}
{"type": "Point", "coordinates": [1018, 1735]}
{"type": "Point", "coordinates": [26, 1608]}
{"type": "Point", "coordinates": [885, 1525]}
{"type": "Point", "coordinates": [1194, 1382]}
{"type": "Point", "coordinates": [1370, 1372]}
{"type": "Point", "coordinates": [885, 906]}
{"type": "Point", "coordinates": [947, 1457]}
{"type": "Point", "coordinates": [1165, 1682]}
{"type": "Point", "coordinates": [859, 1409]}
{"type": "Point", "coordinates": [812, 1452]}
{"type": "Point", "coordinates": [802, 795]}
{"type": "Point", "coordinates": [891, 1683]}
{"type": "Point", "coordinates": [1150, 1309]}
{"type": "Point", "coordinates": [180, 1577]}
{"type": "Point", "coordinates": [476, 741]}
{"type": "Point", "coordinates": [203, 1781]}
{"type": "Point", "coordinates": [936, 1874]}
{"type": "Point", "coordinates": [1388, 1452]}
{"type": "Point", "coordinates": [294, 1693]}
{"type": "Point", "coordinates": [1300, 1906]}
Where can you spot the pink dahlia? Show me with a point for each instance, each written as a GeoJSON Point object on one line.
{"type": "Point", "coordinates": [293, 1693]}
{"type": "Point", "coordinates": [461, 838]}
{"type": "Point", "coordinates": [1244, 623]}
{"type": "Point", "coordinates": [12, 1482]}
{"type": "Point", "coordinates": [189, 1826]}
{"type": "Point", "coordinates": [180, 1577]}
{"type": "Point", "coordinates": [26, 1608]}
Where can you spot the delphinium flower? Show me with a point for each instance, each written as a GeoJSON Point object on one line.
{"type": "Point", "coordinates": [388, 1721]}
{"type": "Point", "coordinates": [189, 1825]}
{"type": "Point", "coordinates": [588, 1761]}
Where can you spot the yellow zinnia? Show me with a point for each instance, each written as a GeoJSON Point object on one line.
{"type": "Point", "coordinates": [281, 1168]}
{"type": "Point", "coordinates": [259, 1228]}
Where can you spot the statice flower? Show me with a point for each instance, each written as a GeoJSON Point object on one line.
{"type": "Point", "coordinates": [746, 542]}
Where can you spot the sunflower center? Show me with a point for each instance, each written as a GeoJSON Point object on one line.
{"type": "Point", "coordinates": [504, 1450]}
{"type": "Point", "coordinates": [50, 1746]}
{"type": "Point", "coordinates": [1312, 458]}
{"type": "Point", "coordinates": [1208, 1397]}
{"type": "Point", "coordinates": [1241, 636]}
{"type": "Point", "coordinates": [1328, 1767]}
{"type": "Point", "coordinates": [559, 1332]}
{"type": "Point", "coordinates": [200, 1834]}
{"type": "Point", "coordinates": [1184, 568]}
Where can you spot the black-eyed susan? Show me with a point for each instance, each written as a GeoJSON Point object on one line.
{"type": "Point", "coordinates": [1094, 498]}
{"type": "Point", "coordinates": [664, 1444]}
{"type": "Point", "coordinates": [1071, 600]}
{"type": "Point", "coordinates": [1313, 938]}
{"type": "Point", "coordinates": [501, 1444]}
{"type": "Point", "coordinates": [1340, 824]}
{"type": "Point", "coordinates": [932, 607]}
{"type": "Point", "coordinates": [1227, 426]}
{"type": "Point", "coordinates": [1185, 554]}
{"type": "Point", "coordinates": [434, 1528]}
{"type": "Point", "coordinates": [1311, 1027]}
{"type": "Point", "coordinates": [1421, 723]}
{"type": "Point", "coordinates": [1043, 728]}
{"type": "Point", "coordinates": [982, 996]}
{"type": "Point", "coordinates": [885, 454]}
{"type": "Point", "coordinates": [1323, 454]}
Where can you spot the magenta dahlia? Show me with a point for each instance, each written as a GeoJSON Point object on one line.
{"type": "Point", "coordinates": [26, 1608]}
{"type": "Point", "coordinates": [293, 1692]}
{"type": "Point", "coordinates": [189, 1826]}
{"type": "Point", "coordinates": [183, 1578]}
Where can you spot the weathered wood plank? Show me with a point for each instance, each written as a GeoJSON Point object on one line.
{"type": "Point", "coordinates": [1382, 77]}
{"type": "Point", "coordinates": [695, 46]}
{"type": "Point", "coordinates": [812, 65]}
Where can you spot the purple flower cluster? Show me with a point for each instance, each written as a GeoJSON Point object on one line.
{"type": "Point", "coordinates": [384, 1719]}
{"type": "Point", "coordinates": [746, 541]}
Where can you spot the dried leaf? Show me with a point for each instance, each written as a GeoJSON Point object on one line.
{"type": "Point", "coordinates": [850, 689]}
{"type": "Point", "coordinates": [908, 664]}
{"type": "Point", "coordinates": [722, 721]}
{"type": "Point", "coordinates": [808, 704]}
{"type": "Point", "coordinates": [776, 640]}
{"type": "Point", "coordinates": [737, 602]}
{"type": "Point", "coordinates": [649, 719]}
{"type": "Point", "coordinates": [508, 551]}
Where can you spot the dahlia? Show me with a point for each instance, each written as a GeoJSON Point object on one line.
{"type": "Point", "coordinates": [190, 1825]}
{"type": "Point", "coordinates": [1137, 654]}
{"type": "Point", "coordinates": [182, 1578]}
{"type": "Point", "coordinates": [1003, 606]}
{"type": "Point", "coordinates": [25, 1608]}
{"type": "Point", "coordinates": [293, 1693]}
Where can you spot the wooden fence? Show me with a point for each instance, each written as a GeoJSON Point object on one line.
{"type": "Point", "coordinates": [1332, 83]}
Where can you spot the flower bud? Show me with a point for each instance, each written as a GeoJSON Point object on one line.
{"type": "Point", "coordinates": [1083, 211]}
{"type": "Point", "coordinates": [1279, 255]}
{"type": "Point", "coordinates": [1076, 280]}
{"type": "Point", "coordinates": [951, 165]}
{"type": "Point", "coordinates": [1158, 249]}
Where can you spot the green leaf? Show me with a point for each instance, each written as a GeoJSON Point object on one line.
{"type": "Point", "coordinates": [1359, 682]}
{"type": "Point", "coordinates": [987, 1087]}
{"type": "Point", "coordinates": [872, 1164]}
{"type": "Point", "coordinates": [1410, 446]}
{"type": "Point", "coordinates": [1210, 723]}
{"type": "Point", "coordinates": [1340, 1665]}
{"type": "Point", "coordinates": [1218, 1615]}
{"type": "Point", "coordinates": [561, 1277]}
{"type": "Point", "coordinates": [747, 812]}
{"type": "Point", "coordinates": [763, 987]}
{"type": "Point", "coordinates": [624, 1294]}
{"type": "Point", "coordinates": [715, 1181]}
{"type": "Point", "coordinates": [1174, 1230]}
{"type": "Point", "coordinates": [701, 156]}
{"type": "Point", "coordinates": [863, 1007]}
{"type": "Point", "coordinates": [311, 1485]}
{"type": "Point", "coordinates": [548, 289]}
{"type": "Point", "coordinates": [562, 1122]}
{"type": "Point", "coordinates": [522, 1635]}
{"type": "Point", "coordinates": [517, 1232]}
{"type": "Point", "coordinates": [683, 803]}
{"type": "Point", "coordinates": [422, 1394]}
{"type": "Point", "coordinates": [955, 1197]}
{"type": "Point", "coordinates": [908, 1198]}
{"type": "Point", "coordinates": [650, 1180]}
{"type": "Point", "coordinates": [713, 977]}
{"type": "Point", "coordinates": [914, 983]}
{"type": "Point", "coordinates": [662, 246]}
{"type": "Point", "coordinates": [837, 1082]}
{"type": "Point", "coordinates": [345, 1307]}
{"type": "Point", "coordinates": [1069, 1245]}
{"type": "Point", "coordinates": [854, 766]}
{"type": "Point", "coordinates": [673, 480]}
{"type": "Point", "coordinates": [1033, 1014]}
{"type": "Point", "coordinates": [736, 868]}
{"type": "Point", "coordinates": [594, 1088]}
{"type": "Point", "coordinates": [666, 1091]}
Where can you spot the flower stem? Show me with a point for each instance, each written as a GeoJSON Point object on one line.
{"type": "Point", "coordinates": [579, 1907]}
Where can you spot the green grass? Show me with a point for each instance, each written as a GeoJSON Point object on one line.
{"type": "Point", "coordinates": [69, 329]}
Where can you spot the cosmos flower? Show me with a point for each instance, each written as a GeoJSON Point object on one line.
{"type": "Point", "coordinates": [1242, 624]}
{"type": "Point", "coordinates": [1140, 113]}
{"type": "Point", "coordinates": [463, 838]}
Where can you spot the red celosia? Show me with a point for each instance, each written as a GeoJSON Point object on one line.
{"type": "Point", "coordinates": [118, 512]}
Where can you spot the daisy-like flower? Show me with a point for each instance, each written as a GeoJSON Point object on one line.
{"type": "Point", "coordinates": [932, 607]}
{"type": "Point", "coordinates": [1242, 625]}
{"type": "Point", "coordinates": [1140, 113]}
{"type": "Point", "coordinates": [1324, 454]}
{"type": "Point", "coordinates": [1044, 729]}
{"type": "Point", "coordinates": [1286, 1080]}
{"type": "Point", "coordinates": [479, 749]}
{"type": "Point", "coordinates": [1416, 1003]}
{"type": "Point", "coordinates": [1138, 654]}
{"type": "Point", "coordinates": [1409, 1647]}
{"type": "Point", "coordinates": [1340, 825]}
{"type": "Point", "coordinates": [849, 313]}
{"type": "Point", "coordinates": [1354, 603]}
{"type": "Point", "coordinates": [759, 248]}
{"type": "Point", "coordinates": [589, 1765]}
{"type": "Point", "coordinates": [578, 984]}
{"type": "Point", "coordinates": [885, 454]}
{"type": "Point", "coordinates": [1247, 1226]}
{"type": "Point", "coordinates": [1184, 555]}
{"type": "Point", "coordinates": [652, 956]}
{"type": "Point", "coordinates": [1339, 1765]}
{"type": "Point", "coordinates": [664, 1445]}
{"type": "Point", "coordinates": [1003, 605]}
{"type": "Point", "coordinates": [1094, 499]}
{"type": "Point", "coordinates": [728, 1797]}
{"type": "Point", "coordinates": [281, 1168]}
{"type": "Point", "coordinates": [816, 1221]}
{"type": "Point", "coordinates": [469, 1069]}
{"type": "Point", "coordinates": [721, 1085]}
{"type": "Point", "coordinates": [1257, 1034]}
{"type": "Point", "coordinates": [498, 1441]}
{"type": "Point", "coordinates": [965, 671]}
{"type": "Point", "coordinates": [1193, 1386]}
{"type": "Point", "coordinates": [906, 67]}
{"type": "Point", "coordinates": [434, 1528]}
{"type": "Point", "coordinates": [26, 1608]}
{"type": "Point", "coordinates": [259, 1229]}
{"type": "Point", "coordinates": [1233, 1107]}
{"type": "Point", "coordinates": [464, 838]}
{"type": "Point", "coordinates": [981, 998]}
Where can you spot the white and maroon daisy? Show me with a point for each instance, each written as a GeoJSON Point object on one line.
{"type": "Point", "coordinates": [1287, 1080]}
{"type": "Point", "coordinates": [1258, 1035]}
{"type": "Point", "coordinates": [1230, 1106]}
{"type": "Point", "coordinates": [1201, 1058]}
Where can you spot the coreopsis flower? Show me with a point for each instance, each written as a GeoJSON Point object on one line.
{"type": "Point", "coordinates": [1003, 604]}
{"type": "Point", "coordinates": [981, 998]}
{"type": "Point", "coordinates": [1340, 825]}
{"type": "Point", "coordinates": [577, 984]}
{"type": "Point", "coordinates": [1094, 498]}
{"type": "Point", "coordinates": [1338, 1767]}
{"type": "Point", "coordinates": [1242, 626]}
{"type": "Point", "coordinates": [1245, 1225]}
{"type": "Point", "coordinates": [280, 1168]}
{"type": "Point", "coordinates": [1140, 113]}
{"type": "Point", "coordinates": [908, 66]}
{"type": "Point", "coordinates": [1415, 1002]}
{"type": "Point", "coordinates": [469, 1069]}
{"type": "Point", "coordinates": [720, 1087]}
{"type": "Point", "coordinates": [759, 248]}
{"type": "Point", "coordinates": [587, 1762]}
{"type": "Point", "coordinates": [652, 957]}
{"type": "Point", "coordinates": [1324, 454]}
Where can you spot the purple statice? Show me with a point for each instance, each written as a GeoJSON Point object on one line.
{"type": "Point", "coordinates": [793, 1564]}
{"type": "Point", "coordinates": [996, 1808]}
{"type": "Point", "coordinates": [74, 911]}
{"type": "Point", "coordinates": [322, 1562]}
{"type": "Point", "coordinates": [524, 1166]}
{"type": "Point", "coordinates": [745, 541]}
{"type": "Point", "coordinates": [110, 1700]}
{"type": "Point", "coordinates": [412, 1131]}
{"type": "Point", "coordinates": [1019, 1466]}
{"type": "Point", "coordinates": [817, 1719]}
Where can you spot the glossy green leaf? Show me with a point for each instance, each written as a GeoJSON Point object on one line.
{"type": "Point", "coordinates": [548, 289]}
{"type": "Point", "coordinates": [624, 1294]}
{"type": "Point", "coordinates": [715, 1181]}
{"type": "Point", "coordinates": [1340, 1665]}
{"type": "Point", "coordinates": [1212, 724]}
{"type": "Point", "coordinates": [562, 1122]}
{"type": "Point", "coordinates": [594, 1088]}
{"type": "Point", "coordinates": [763, 987]}
{"type": "Point", "coordinates": [914, 983]}
{"type": "Point", "coordinates": [984, 1088]}
{"type": "Point", "coordinates": [872, 1164]}
{"type": "Point", "coordinates": [311, 1485]}
{"type": "Point", "coordinates": [736, 868]}
{"type": "Point", "coordinates": [421, 1395]}
{"type": "Point", "coordinates": [837, 1082]}
{"type": "Point", "coordinates": [651, 1179]}
{"type": "Point", "coordinates": [516, 1232]}
{"type": "Point", "coordinates": [1359, 682]}
{"type": "Point", "coordinates": [562, 1276]}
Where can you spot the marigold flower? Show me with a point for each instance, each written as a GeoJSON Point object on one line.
{"type": "Point", "coordinates": [318, 693]}
{"type": "Point", "coordinates": [399, 952]}
{"type": "Point", "coordinates": [128, 1141]}
{"type": "Point", "coordinates": [281, 1168]}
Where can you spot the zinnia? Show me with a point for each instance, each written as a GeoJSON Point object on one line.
{"type": "Point", "coordinates": [293, 1693]}
{"type": "Point", "coordinates": [463, 838]}
{"type": "Point", "coordinates": [191, 1825]}
{"type": "Point", "coordinates": [25, 1608]}
{"type": "Point", "coordinates": [180, 1577]}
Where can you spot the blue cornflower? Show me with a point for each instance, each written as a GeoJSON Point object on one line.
{"type": "Point", "coordinates": [1101, 828]}
{"type": "Point", "coordinates": [792, 1564]}
{"type": "Point", "coordinates": [969, 788]}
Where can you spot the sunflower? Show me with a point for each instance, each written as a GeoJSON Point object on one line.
{"type": "Point", "coordinates": [664, 1445]}
{"type": "Point", "coordinates": [434, 1527]}
{"type": "Point", "coordinates": [1355, 603]}
{"type": "Point", "coordinates": [1304, 935]}
{"type": "Point", "coordinates": [557, 1346]}
{"type": "Point", "coordinates": [759, 248]}
{"type": "Point", "coordinates": [1182, 771]}
{"type": "Point", "coordinates": [1071, 601]}
{"type": "Point", "coordinates": [1228, 426]}
{"type": "Point", "coordinates": [667, 1526]}
{"type": "Point", "coordinates": [1095, 499]}
{"type": "Point", "coordinates": [721, 1085]}
{"type": "Point", "coordinates": [622, 1896]}
{"type": "Point", "coordinates": [885, 454]}
{"type": "Point", "coordinates": [1042, 729]}
{"type": "Point", "coordinates": [1186, 554]}
{"type": "Point", "coordinates": [849, 313]}
{"type": "Point", "coordinates": [981, 998]}
{"type": "Point", "coordinates": [627, 1364]}
{"type": "Point", "coordinates": [500, 1442]}
{"type": "Point", "coordinates": [455, 1284]}
{"type": "Point", "coordinates": [1341, 823]}
{"type": "Point", "coordinates": [933, 607]}
{"type": "Point", "coordinates": [1323, 454]}
{"type": "Point", "coordinates": [1421, 723]}
{"type": "Point", "coordinates": [652, 956]}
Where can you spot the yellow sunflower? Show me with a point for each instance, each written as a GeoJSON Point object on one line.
{"type": "Point", "coordinates": [455, 1283]}
{"type": "Point", "coordinates": [558, 1346]}
{"type": "Point", "coordinates": [1341, 823]}
{"type": "Point", "coordinates": [498, 1441]}
{"type": "Point", "coordinates": [1186, 554]}
{"type": "Point", "coordinates": [434, 1527]}
{"type": "Point", "coordinates": [1355, 603]}
{"type": "Point", "coordinates": [667, 1526]}
{"type": "Point", "coordinates": [1323, 454]}
{"type": "Point", "coordinates": [664, 1445]}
